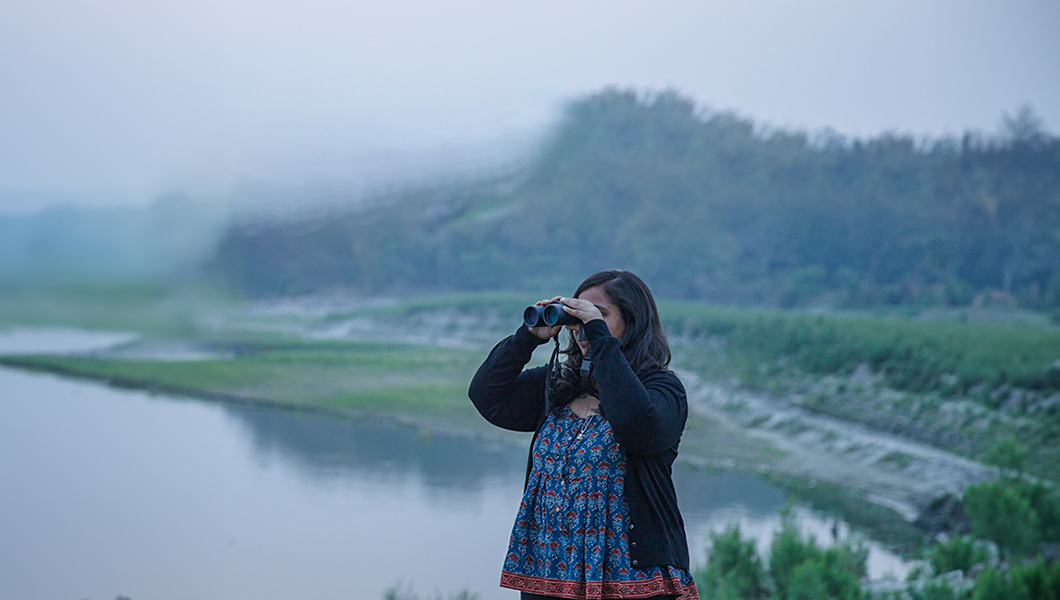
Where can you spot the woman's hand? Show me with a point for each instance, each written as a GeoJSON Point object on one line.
{"type": "Point", "coordinates": [583, 309]}
{"type": "Point", "coordinates": [546, 333]}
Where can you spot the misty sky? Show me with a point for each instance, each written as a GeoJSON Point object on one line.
{"type": "Point", "coordinates": [118, 101]}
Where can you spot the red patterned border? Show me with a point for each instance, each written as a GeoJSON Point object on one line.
{"type": "Point", "coordinates": [643, 588]}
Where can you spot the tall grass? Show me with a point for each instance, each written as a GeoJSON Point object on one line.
{"type": "Point", "coordinates": [916, 356]}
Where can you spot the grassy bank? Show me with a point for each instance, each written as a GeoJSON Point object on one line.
{"type": "Point", "coordinates": [912, 355]}
{"type": "Point", "coordinates": [390, 379]}
{"type": "Point", "coordinates": [276, 354]}
{"type": "Point", "coordinates": [959, 386]}
{"type": "Point", "coordinates": [155, 310]}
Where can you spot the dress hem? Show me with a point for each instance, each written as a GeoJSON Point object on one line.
{"type": "Point", "coordinates": [585, 590]}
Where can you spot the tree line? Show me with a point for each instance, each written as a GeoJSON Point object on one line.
{"type": "Point", "coordinates": [703, 205]}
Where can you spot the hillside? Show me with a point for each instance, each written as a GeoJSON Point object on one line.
{"type": "Point", "coordinates": [706, 206]}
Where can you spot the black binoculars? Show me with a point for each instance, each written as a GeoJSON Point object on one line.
{"type": "Point", "coordinates": [549, 315]}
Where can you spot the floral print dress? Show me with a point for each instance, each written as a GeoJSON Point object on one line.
{"type": "Point", "coordinates": [570, 536]}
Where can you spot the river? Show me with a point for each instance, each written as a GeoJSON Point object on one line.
{"type": "Point", "coordinates": [110, 492]}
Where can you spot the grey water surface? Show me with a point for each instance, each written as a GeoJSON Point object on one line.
{"type": "Point", "coordinates": [111, 492]}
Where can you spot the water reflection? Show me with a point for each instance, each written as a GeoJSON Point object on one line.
{"type": "Point", "coordinates": [323, 448]}
{"type": "Point", "coordinates": [454, 470]}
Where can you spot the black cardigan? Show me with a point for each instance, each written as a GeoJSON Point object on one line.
{"type": "Point", "coordinates": [647, 415]}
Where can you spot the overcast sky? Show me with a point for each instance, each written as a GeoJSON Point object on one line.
{"type": "Point", "coordinates": [117, 101]}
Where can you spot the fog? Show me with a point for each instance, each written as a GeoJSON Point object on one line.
{"type": "Point", "coordinates": [116, 102]}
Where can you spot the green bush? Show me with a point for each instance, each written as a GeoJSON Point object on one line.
{"type": "Point", "coordinates": [801, 569]}
{"type": "Point", "coordinates": [806, 582]}
{"type": "Point", "coordinates": [936, 590]}
{"type": "Point", "coordinates": [1009, 455]}
{"type": "Point", "coordinates": [1016, 514]}
{"type": "Point", "coordinates": [405, 592]}
{"type": "Point", "coordinates": [1035, 581]}
{"type": "Point", "coordinates": [999, 512]}
{"type": "Point", "coordinates": [912, 355]}
{"type": "Point", "coordinates": [831, 573]}
{"type": "Point", "coordinates": [1041, 582]}
{"type": "Point", "coordinates": [994, 584]}
{"type": "Point", "coordinates": [955, 554]}
{"type": "Point", "coordinates": [733, 568]}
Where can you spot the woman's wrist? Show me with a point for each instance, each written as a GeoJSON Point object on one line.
{"type": "Point", "coordinates": [595, 330]}
{"type": "Point", "coordinates": [525, 334]}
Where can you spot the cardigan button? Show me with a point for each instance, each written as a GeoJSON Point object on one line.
{"type": "Point", "coordinates": [631, 525]}
{"type": "Point", "coordinates": [635, 563]}
{"type": "Point", "coordinates": [633, 544]}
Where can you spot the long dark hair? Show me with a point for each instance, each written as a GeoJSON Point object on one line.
{"type": "Point", "coordinates": [643, 341]}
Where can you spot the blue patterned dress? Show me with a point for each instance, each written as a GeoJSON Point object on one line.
{"type": "Point", "coordinates": [569, 538]}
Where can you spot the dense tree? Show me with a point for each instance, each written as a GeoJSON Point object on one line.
{"type": "Point", "coordinates": [705, 205]}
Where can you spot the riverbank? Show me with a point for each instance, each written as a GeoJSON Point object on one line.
{"type": "Point", "coordinates": [409, 362]}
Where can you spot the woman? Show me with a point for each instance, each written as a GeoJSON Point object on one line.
{"type": "Point", "coordinates": [599, 516]}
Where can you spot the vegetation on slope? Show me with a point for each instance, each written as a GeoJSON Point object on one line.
{"type": "Point", "coordinates": [959, 386]}
{"type": "Point", "coordinates": [704, 206]}
{"type": "Point", "coordinates": [388, 379]}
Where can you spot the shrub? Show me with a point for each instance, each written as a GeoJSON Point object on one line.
{"type": "Point", "coordinates": [1000, 512]}
{"type": "Point", "coordinates": [936, 590]}
{"type": "Point", "coordinates": [1036, 581]}
{"type": "Point", "coordinates": [1041, 582]}
{"type": "Point", "coordinates": [404, 592]}
{"type": "Point", "coordinates": [993, 584]}
{"type": "Point", "coordinates": [955, 554]}
{"type": "Point", "coordinates": [799, 569]}
{"type": "Point", "coordinates": [733, 568]}
{"type": "Point", "coordinates": [1009, 455]}
{"type": "Point", "coordinates": [1016, 514]}
{"type": "Point", "coordinates": [802, 569]}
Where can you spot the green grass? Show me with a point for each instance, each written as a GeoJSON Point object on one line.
{"type": "Point", "coordinates": [362, 376]}
{"type": "Point", "coordinates": [912, 355]}
{"type": "Point", "coordinates": [932, 362]}
{"type": "Point", "coordinates": [493, 304]}
{"type": "Point", "coordinates": [144, 309]}
{"type": "Point", "coordinates": [769, 350]}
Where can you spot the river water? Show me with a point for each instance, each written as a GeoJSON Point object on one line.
{"type": "Point", "coordinates": [111, 492]}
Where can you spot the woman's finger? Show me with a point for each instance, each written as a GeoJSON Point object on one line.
{"type": "Point", "coordinates": [583, 309]}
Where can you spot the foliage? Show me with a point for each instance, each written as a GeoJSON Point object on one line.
{"type": "Point", "coordinates": [733, 568]}
{"type": "Point", "coordinates": [1008, 454]}
{"type": "Point", "coordinates": [405, 592]}
{"type": "Point", "coordinates": [933, 361]}
{"type": "Point", "coordinates": [703, 205]}
{"type": "Point", "coordinates": [1014, 513]}
{"type": "Point", "coordinates": [936, 590]}
{"type": "Point", "coordinates": [956, 553]}
{"type": "Point", "coordinates": [385, 378]}
{"type": "Point", "coordinates": [120, 308]}
{"type": "Point", "coordinates": [799, 569]}
{"type": "Point", "coordinates": [1041, 581]}
{"type": "Point", "coordinates": [802, 570]}
{"type": "Point", "coordinates": [913, 355]}
{"type": "Point", "coordinates": [1002, 514]}
{"type": "Point", "coordinates": [1034, 581]}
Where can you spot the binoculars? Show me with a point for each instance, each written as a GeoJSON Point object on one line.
{"type": "Point", "coordinates": [549, 315]}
